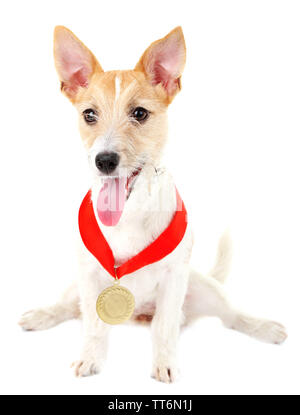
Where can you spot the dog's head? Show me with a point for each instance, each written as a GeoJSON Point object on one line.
{"type": "Point", "coordinates": [123, 114]}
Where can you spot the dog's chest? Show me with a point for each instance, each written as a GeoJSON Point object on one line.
{"type": "Point", "coordinates": [127, 241]}
{"type": "Point", "coordinates": [144, 218]}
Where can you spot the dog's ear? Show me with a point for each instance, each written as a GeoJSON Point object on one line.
{"type": "Point", "coordinates": [74, 62]}
{"type": "Point", "coordinates": [163, 62]}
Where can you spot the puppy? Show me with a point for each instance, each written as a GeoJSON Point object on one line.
{"type": "Point", "coordinates": [123, 124]}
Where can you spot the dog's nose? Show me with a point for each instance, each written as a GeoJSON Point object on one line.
{"type": "Point", "coordinates": [107, 162]}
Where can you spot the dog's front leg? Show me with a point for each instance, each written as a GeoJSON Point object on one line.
{"type": "Point", "coordinates": [95, 331]}
{"type": "Point", "coordinates": [166, 322]}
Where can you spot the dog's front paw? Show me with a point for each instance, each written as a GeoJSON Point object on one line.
{"type": "Point", "coordinates": [166, 373]}
{"type": "Point", "coordinates": [86, 367]}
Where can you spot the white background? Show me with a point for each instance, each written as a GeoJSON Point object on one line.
{"type": "Point", "coordinates": [234, 151]}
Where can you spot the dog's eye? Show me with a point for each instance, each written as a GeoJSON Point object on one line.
{"type": "Point", "coordinates": [140, 114]}
{"type": "Point", "coordinates": [90, 116]}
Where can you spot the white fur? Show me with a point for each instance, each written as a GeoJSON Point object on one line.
{"type": "Point", "coordinates": [101, 144]}
{"type": "Point", "coordinates": [169, 289]}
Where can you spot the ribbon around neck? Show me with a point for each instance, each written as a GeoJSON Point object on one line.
{"type": "Point", "coordinates": [97, 245]}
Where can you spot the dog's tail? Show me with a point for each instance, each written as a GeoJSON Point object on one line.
{"type": "Point", "coordinates": [223, 259]}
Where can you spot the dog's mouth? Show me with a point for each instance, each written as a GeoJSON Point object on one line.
{"type": "Point", "coordinates": [112, 197]}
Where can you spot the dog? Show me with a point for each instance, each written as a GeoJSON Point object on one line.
{"type": "Point", "coordinates": [123, 124]}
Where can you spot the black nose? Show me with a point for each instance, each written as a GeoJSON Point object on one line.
{"type": "Point", "coordinates": [107, 162]}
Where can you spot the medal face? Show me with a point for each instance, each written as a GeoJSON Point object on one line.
{"type": "Point", "coordinates": [115, 304]}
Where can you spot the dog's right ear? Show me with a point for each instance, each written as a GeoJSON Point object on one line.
{"type": "Point", "coordinates": [74, 62]}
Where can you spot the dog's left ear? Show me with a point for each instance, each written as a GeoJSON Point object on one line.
{"type": "Point", "coordinates": [163, 62]}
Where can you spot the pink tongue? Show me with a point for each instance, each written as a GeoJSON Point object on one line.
{"type": "Point", "coordinates": [111, 200]}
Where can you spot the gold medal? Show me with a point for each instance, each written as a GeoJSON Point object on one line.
{"type": "Point", "coordinates": [115, 304]}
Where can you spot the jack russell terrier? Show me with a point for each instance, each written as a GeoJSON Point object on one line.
{"type": "Point", "coordinates": [133, 224]}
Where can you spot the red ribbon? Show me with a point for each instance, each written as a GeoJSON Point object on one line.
{"type": "Point", "coordinates": [162, 246]}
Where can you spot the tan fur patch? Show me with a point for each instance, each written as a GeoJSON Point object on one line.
{"type": "Point", "coordinates": [144, 318]}
{"type": "Point", "coordinates": [113, 96]}
{"type": "Point", "coordinates": [114, 115]}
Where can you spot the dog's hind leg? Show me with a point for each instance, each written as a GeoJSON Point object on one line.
{"type": "Point", "coordinates": [66, 308]}
{"type": "Point", "coordinates": [205, 297]}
